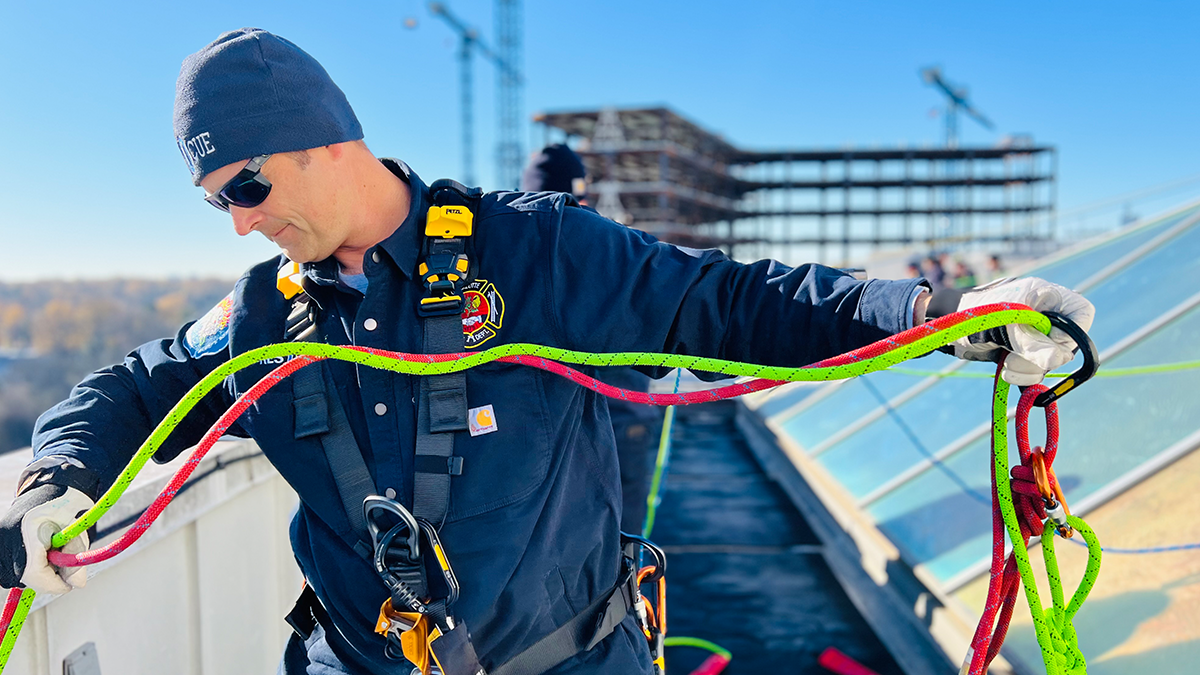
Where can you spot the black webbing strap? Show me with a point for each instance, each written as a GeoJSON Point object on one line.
{"type": "Point", "coordinates": [580, 634]}
{"type": "Point", "coordinates": [442, 409]}
{"type": "Point", "coordinates": [319, 411]}
{"type": "Point", "coordinates": [441, 412]}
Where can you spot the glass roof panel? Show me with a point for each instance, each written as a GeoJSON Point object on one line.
{"type": "Point", "coordinates": [1109, 427]}
{"type": "Point", "coordinates": [1071, 271]}
{"type": "Point", "coordinates": [853, 400]}
{"type": "Point", "coordinates": [934, 418]}
{"type": "Point", "coordinates": [850, 402]}
{"type": "Point", "coordinates": [782, 402]}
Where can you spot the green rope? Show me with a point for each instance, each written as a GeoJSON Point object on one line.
{"type": "Point", "coordinates": [654, 498]}
{"type": "Point", "coordinates": [14, 627]}
{"type": "Point", "coordinates": [1055, 633]}
{"type": "Point", "coordinates": [214, 379]}
{"type": "Point", "coordinates": [699, 643]}
{"type": "Point", "coordinates": [244, 360]}
{"type": "Point", "coordinates": [1107, 372]}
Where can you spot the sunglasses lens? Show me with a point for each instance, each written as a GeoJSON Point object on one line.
{"type": "Point", "coordinates": [246, 194]}
{"type": "Point", "coordinates": [218, 202]}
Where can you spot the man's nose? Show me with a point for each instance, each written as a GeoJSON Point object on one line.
{"type": "Point", "coordinates": [244, 220]}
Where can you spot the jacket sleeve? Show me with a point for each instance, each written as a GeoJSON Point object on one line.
{"type": "Point", "coordinates": [618, 289]}
{"type": "Point", "coordinates": [87, 440]}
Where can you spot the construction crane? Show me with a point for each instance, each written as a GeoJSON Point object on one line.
{"type": "Point", "coordinates": [508, 147]}
{"type": "Point", "coordinates": [509, 30]}
{"type": "Point", "coordinates": [956, 99]}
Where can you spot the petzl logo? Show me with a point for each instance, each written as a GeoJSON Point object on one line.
{"type": "Point", "coordinates": [483, 312]}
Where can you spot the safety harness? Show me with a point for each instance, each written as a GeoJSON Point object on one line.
{"type": "Point", "coordinates": [418, 619]}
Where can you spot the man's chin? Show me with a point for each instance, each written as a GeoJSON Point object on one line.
{"type": "Point", "coordinates": [298, 255]}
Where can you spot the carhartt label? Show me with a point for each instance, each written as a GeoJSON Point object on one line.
{"type": "Point", "coordinates": [481, 420]}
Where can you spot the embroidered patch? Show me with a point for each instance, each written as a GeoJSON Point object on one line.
{"type": "Point", "coordinates": [482, 420]}
{"type": "Point", "coordinates": [483, 312]}
{"type": "Point", "coordinates": [210, 334]}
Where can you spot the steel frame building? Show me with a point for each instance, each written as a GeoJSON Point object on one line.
{"type": "Point", "coordinates": [653, 169]}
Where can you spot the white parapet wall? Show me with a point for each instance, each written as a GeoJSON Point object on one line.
{"type": "Point", "coordinates": [204, 591]}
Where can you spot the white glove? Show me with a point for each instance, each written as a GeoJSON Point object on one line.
{"type": "Point", "coordinates": [38, 527]}
{"type": "Point", "coordinates": [1033, 354]}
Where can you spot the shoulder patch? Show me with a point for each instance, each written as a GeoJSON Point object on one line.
{"type": "Point", "coordinates": [483, 312]}
{"type": "Point", "coordinates": [210, 334]}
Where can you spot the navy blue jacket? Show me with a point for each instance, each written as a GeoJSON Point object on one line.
{"type": "Point", "coordinates": [533, 521]}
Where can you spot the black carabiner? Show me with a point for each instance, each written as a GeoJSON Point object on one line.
{"type": "Point", "coordinates": [381, 538]}
{"type": "Point", "coordinates": [631, 543]}
{"type": "Point", "coordinates": [399, 567]}
{"type": "Point", "coordinates": [1091, 360]}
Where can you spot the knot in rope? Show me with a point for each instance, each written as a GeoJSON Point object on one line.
{"type": "Point", "coordinates": [1067, 655]}
{"type": "Point", "coordinates": [1027, 498]}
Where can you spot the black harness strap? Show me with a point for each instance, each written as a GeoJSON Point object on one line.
{"type": "Point", "coordinates": [442, 409]}
{"type": "Point", "coordinates": [319, 413]}
{"type": "Point", "coordinates": [583, 632]}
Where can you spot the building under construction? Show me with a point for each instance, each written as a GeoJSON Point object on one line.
{"type": "Point", "coordinates": [655, 170]}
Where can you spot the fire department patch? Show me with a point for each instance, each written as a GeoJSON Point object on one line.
{"type": "Point", "coordinates": [483, 312]}
{"type": "Point", "coordinates": [210, 334]}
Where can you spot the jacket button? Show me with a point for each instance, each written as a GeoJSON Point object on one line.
{"type": "Point", "coordinates": [370, 324]}
{"type": "Point", "coordinates": [375, 256]}
{"type": "Point", "coordinates": [390, 494]}
{"type": "Point", "coordinates": [380, 409]}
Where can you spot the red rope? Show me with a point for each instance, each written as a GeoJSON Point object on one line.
{"type": "Point", "coordinates": [10, 608]}
{"type": "Point", "coordinates": [247, 399]}
{"type": "Point", "coordinates": [1031, 513]}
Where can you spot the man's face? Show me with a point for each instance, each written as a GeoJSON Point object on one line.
{"type": "Point", "coordinates": [299, 215]}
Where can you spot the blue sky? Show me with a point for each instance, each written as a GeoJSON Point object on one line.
{"type": "Point", "coordinates": [93, 185]}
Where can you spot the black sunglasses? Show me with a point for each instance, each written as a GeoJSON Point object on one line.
{"type": "Point", "coordinates": [247, 189]}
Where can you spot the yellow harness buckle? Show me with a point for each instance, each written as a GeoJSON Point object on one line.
{"type": "Point", "coordinates": [288, 280]}
{"type": "Point", "coordinates": [448, 221]}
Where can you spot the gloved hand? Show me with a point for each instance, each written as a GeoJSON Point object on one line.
{"type": "Point", "coordinates": [1032, 353]}
{"type": "Point", "coordinates": [35, 516]}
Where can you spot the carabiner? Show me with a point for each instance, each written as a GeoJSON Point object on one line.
{"type": "Point", "coordinates": [382, 543]}
{"type": "Point", "coordinates": [630, 543]}
{"type": "Point", "coordinates": [1052, 496]}
{"type": "Point", "coordinates": [448, 577]}
{"type": "Point", "coordinates": [400, 567]}
{"type": "Point", "coordinates": [1091, 360]}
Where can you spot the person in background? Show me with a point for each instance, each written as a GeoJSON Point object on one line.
{"type": "Point", "coordinates": [934, 272]}
{"type": "Point", "coordinates": [556, 168]}
{"type": "Point", "coordinates": [995, 270]}
{"type": "Point", "coordinates": [964, 276]}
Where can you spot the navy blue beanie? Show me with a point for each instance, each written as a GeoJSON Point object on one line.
{"type": "Point", "coordinates": [554, 169]}
{"type": "Point", "coordinates": [252, 93]}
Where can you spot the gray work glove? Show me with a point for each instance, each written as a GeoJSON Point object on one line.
{"type": "Point", "coordinates": [35, 516]}
{"type": "Point", "coordinates": [1032, 354]}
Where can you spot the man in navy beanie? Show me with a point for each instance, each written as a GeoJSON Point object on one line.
{"type": "Point", "coordinates": [514, 468]}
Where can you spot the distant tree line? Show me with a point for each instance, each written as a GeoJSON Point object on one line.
{"type": "Point", "coordinates": [53, 333]}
